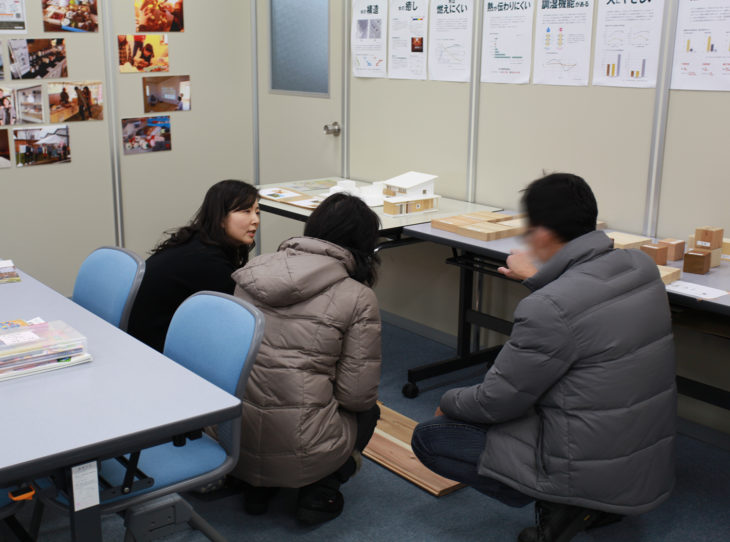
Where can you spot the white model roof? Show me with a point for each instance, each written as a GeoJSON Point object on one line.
{"type": "Point", "coordinates": [411, 179]}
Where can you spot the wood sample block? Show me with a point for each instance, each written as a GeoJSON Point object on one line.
{"type": "Point", "coordinates": [697, 261]}
{"type": "Point", "coordinates": [489, 216]}
{"type": "Point", "coordinates": [709, 237]}
{"type": "Point", "coordinates": [600, 225]}
{"type": "Point", "coordinates": [390, 446]}
{"type": "Point", "coordinates": [657, 252]}
{"type": "Point", "coordinates": [675, 248]}
{"type": "Point", "coordinates": [715, 257]}
{"type": "Point", "coordinates": [669, 274]}
{"type": "Point", "coordinates": [452, 223]}
{"type": "Point", "coordinates": [691, 241]}
{"type": "Point", "coordinates": [520, 225]}
{"type": "Point", "coordinates": [726, 246]}
{"type": "Point", "coordinates": [486, 231]}
{"type": "Point", "coordinates": [627, 240]}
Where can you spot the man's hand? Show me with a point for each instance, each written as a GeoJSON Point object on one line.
{"type": "Point", "coordinates": [519, 266]}
{"type": "Point", "coordinates": [439, 412]}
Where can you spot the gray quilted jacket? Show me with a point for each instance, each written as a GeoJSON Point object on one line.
{"type": "Point", "coordinates": [583, 394]}
{"type": "Point", "coordinates": [319, 362]}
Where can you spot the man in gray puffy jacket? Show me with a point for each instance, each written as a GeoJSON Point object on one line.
{"type": "Point", "coordinates": [578, 410]}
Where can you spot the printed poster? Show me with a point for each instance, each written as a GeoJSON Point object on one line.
{"type": "Point", "coordinates": [628, 38]}
{"type": "Point", "coordinates": [702, 47]}
{"type": "Point", "coordinates": [563, 42]}
{"type": "Point", "coordinates": [368, 38]}
{"type": "Point", "coordinates": [407, 39]}
{"type": "Point", "coordinates": [450, 39]}
{"type": "Point", "coordinates": [507, 42]}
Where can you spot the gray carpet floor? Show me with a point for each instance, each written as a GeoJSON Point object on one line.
{"type": "Point", "coordinates": [380, 506]}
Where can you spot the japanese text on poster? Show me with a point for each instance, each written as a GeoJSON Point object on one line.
{"type": "Point", "coordinates": [368, 41]}
{"type": "Point", "coordinates": [407, 39]}
{"type": "Point", "coordinates": [702, 47]}
{"type": "Point", "coordinates": [563, 42]}
{"type": "Point", "coordinates": [507, 43]}
{"type": "Point", "coordinates": [450, 40]}
{"type": "Point", "coordinates": [628, 37]}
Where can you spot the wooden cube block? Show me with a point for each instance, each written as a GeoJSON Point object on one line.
{"type": "Point", "coordinates": [691, 242]}
{"type": "Point", "coordinates": [657, 252]}
{"type": "Point", "coordinates": [715, 257]}
{"type": "Point", "coordinates": [709, 237]}
{"type": "Point", "coordinates": [600, 225]}
{"type": "Point", "coordinates": [669, 274]}
{"type": "Point", "coordinates": [485, 231]}
{"type": "Point", "coordinates": [675, 248]}
{"type": "Point", "coordinates": [452, 223]}
{"type": "Point", "coordinates": [697, 261]}
{"type": "Point", "coordinates": [627, 240]}
{"type": "Point", "coordinates": [726, 246]}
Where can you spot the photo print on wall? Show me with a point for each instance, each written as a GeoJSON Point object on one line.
{"type": "Point", "coordinates": [159, 15]}
{"type": "Point", "coordinates": [146, 134]}
{"type": "Point", "coordinates": [41, 145]}
{"type": "Point", "coordinates": [164, 93]}
{"type": "Point", "coordinates": [65, 16]}
{"type": "Point", "coordinates": [143, 53]}
{"type": "Point", "coordinates": [38, 59]}
{"type": "Point", "coordinates": [75, 101]}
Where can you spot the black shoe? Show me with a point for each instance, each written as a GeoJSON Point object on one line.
{"type": "Point", "coordinates": [318, 503]}
{"type": "Point", "coordinates": [256, 499]}
{"type": "Point", "coordinates": [558, 522]}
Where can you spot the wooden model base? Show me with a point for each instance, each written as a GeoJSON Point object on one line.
{"type": "Point", "coordinates": [627, 240]}
{"type": "Point", "coordinates": [675, 248]}
{"type": "Point", "coordinates": [697, 261]}
{"type": "Point", "coordinates": [657, 252]}
{"type": "Point", "coordinates": [669, 274]}
{"type": "Point", "coordinates": [390, 446]}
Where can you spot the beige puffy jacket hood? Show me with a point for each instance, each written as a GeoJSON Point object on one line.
{"type": "Point", "coordinates": [318, 363]}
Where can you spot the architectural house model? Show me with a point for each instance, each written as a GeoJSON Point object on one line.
{"type": "Point", "coordinates": [371, 194]}
{"type": "Point", "coordinates": [410, 193]}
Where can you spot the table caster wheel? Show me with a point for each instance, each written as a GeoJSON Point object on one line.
{"type": "Point", "coordinates": [410, 390]}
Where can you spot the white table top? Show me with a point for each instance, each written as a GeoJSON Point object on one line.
{"type": "Point", "coordinates": [129, 397]}
{"type": "Point", "coordinates": [718, 277]}
{"type": "Point", "coordinates": [447, 206]}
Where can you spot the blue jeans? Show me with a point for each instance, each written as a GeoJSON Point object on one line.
{"type": "Point", "coordinates": [452, 448]}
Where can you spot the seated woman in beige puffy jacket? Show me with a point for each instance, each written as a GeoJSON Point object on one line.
{"type": "Point", "coordinates": [310, 402]}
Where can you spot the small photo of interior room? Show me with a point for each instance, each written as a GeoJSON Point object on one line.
{"type": "Point", "coordinates": [75, 101]}
{"type": "Point", "coordinates": [29, 105]}
{"type": "Point", "coordinates": [143, 53]}
{"type": "Point", "coordinates": [38, 59]}
{"type": "Point", "coordinates": [4, 149]}
{"type": "Point", "coordinates": [42, 145]}
{"type": "Point", "coordinates": [146, 134]}
{"type": "Point", "coordinates": [65, 16]}
{"type": "Point", "coordinates": [166, 93]}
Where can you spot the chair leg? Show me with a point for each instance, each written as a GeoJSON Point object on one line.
{"type": "Point", "coordinates": [197, 522]}
{"type": "Point", "coordinates": [35, 520]}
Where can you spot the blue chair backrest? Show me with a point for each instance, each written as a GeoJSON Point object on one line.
{"type": "Point", "coordinates": [107, 284]}
{"type": "Point", "coordinates": [216, 336]}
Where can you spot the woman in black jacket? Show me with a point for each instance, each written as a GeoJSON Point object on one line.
{"type": "Point", "coordinates": [196, 257]}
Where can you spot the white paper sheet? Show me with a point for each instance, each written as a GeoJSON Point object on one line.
{"type": "Point", "coordinates": [407, 34]}
{"type": "Point", "coordinates": [507, 43]}
{"type": "Point", "coordinates": [368, 38]}
{"type": "Point", "coordinates": [695, 290]}
{"type": "Point", "coordinates": [702, 47]}
{"type": "Point", "coordinates": [628, 37]}
{"type": "Point", "coordinates": [12, 17]}
{"type": "Point", "coordinates": [563, 42]}
{"type": "Point", "coordinates": [451, 29]}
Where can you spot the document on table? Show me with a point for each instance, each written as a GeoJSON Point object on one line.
{"type": "Point", "coordinates": [563, 43]}
{"type": "Point", "coordinates": [507, 43]}
{"type": "Point", "coordinates": [702, 46]}
{"type": "Point", "coordinates": [408, 27]}
{"type": "Point", "coordinates": [695, 290]}
{"type": "Point", "coordinates": [451, 25]}
{"type": "Point", "coordinates": [368, 38]}
{"type": "Point", "coordinates": [628, 37]}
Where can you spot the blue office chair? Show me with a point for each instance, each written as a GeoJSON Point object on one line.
{"type": "Point", "coordinates": [216, 336]}
{"type": "Point", "coordinates": [107, 284]}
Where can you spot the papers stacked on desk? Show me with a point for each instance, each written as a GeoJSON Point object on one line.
{"type": "Point", "coordinates": [38, 348]}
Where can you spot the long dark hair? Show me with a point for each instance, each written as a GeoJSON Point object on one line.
{"type": "Point", "coordinates": [347, 221]}
{"type": "Point", "coordinates": [207, 224]}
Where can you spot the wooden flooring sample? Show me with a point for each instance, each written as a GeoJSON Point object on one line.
{"type": "Point", "coordinates": [487, 231]}
{"type": "Point", "coordinates": [453, 223]}
{"type": "Point", "coordinates": [390, 446]}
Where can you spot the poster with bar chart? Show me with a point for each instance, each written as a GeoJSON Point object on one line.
{"type": "Point", "coordinates": [702, 46]}
{"type": "Point", "coordinates": [563, 43]}
{"type": "Point", "coordinates": [507, 43]}
{"type": "Point", "coordinates": [628, 38]}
